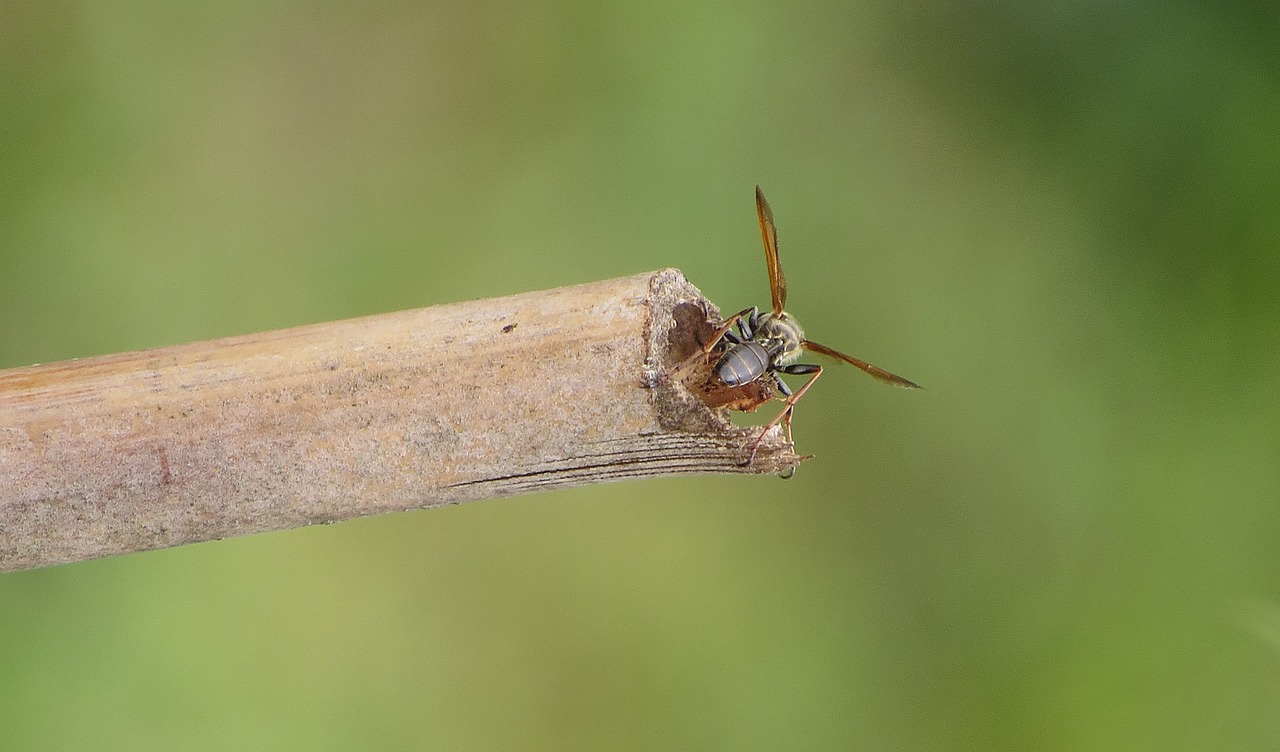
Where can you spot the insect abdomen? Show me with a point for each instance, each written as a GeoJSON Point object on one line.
{"type": "Point", "coordinates": [743, 364]}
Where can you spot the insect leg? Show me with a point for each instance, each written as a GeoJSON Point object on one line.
{"type": "Point", "coordinates": [796, 370]}
{"type": "Point", "coordinates": [785, 391]}
{"type": "Point", "coordinates": [738, 318]}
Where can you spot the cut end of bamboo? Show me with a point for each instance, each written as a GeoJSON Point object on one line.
{"type": "Point", "coordinates": [696, 403]}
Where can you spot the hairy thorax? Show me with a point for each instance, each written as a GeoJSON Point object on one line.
{"type": "Point", "coordinates": [780, 334]}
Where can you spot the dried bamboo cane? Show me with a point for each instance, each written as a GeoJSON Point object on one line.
{"type": "Point", "coordinates": [328, 422]}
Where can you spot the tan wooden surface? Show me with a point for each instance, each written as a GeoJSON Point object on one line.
{"type": "Point", "coordinates": [332, 421]}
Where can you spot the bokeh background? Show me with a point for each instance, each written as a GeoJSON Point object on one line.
{"type": "Point", "coordinates": [1062, 218]}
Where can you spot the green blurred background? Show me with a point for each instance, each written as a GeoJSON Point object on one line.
{"type": "Point", "coordinates": [1061, 218]}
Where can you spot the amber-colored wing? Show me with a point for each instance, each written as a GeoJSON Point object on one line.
{"type": "Point", "coordinates": [777, 283]}
{"type": "Point", "coordinates": [875, 371]}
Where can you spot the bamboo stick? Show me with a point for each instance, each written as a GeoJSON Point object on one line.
{"type": "Point", "coordinates": [328, 422]}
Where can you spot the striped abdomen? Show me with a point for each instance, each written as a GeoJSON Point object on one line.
{"type": "Point", "coordinates": [743, 364]}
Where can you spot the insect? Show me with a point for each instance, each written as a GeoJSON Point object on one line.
{"type": "Point", "coordinates": [768, 345]}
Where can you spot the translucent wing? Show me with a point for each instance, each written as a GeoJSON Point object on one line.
{"type": "Point", "coordinates": [874, 371]}
{"type": "Point", "coordinates": [777, 283]}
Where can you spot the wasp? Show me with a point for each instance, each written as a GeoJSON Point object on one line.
{"type": "Point", "coordinates": [769, 345]}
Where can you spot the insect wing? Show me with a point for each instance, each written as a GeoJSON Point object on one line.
{"type": "Point", "coordinates": [769, 231]}
{"type": "Point", "coordinates": [874, 371]}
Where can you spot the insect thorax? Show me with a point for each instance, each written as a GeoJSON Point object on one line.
{"type": "Point", "coordinates": [780, 334]}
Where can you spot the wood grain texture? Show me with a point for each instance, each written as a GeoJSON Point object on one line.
{"type": "Point", "coordinates": [328, 422]}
